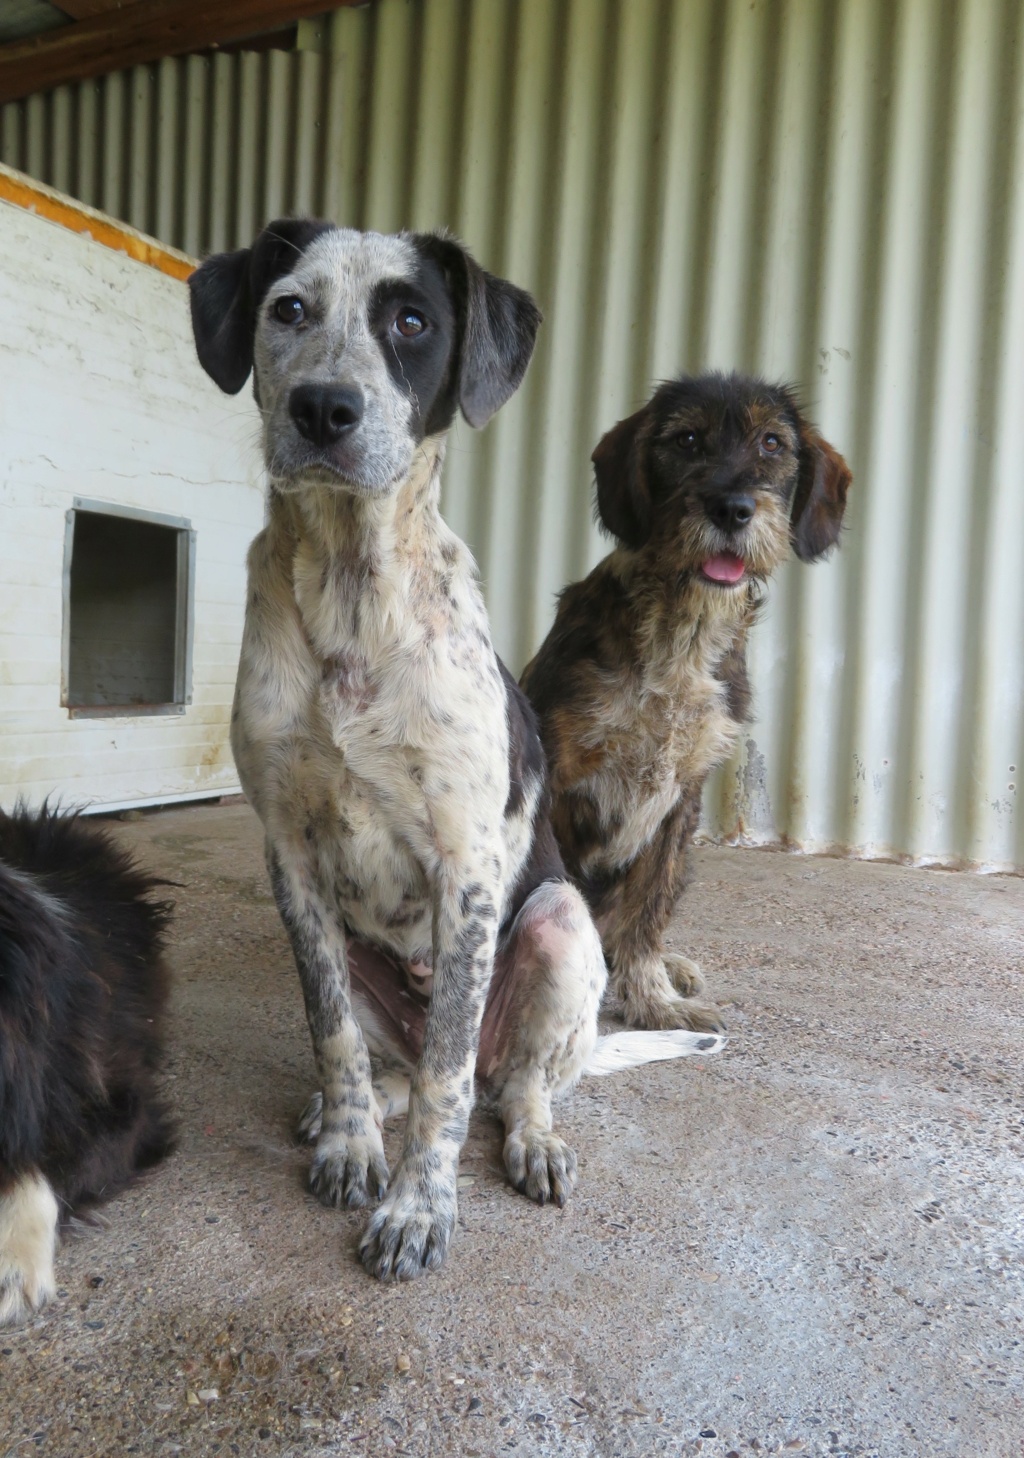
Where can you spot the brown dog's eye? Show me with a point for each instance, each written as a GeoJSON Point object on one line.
{"type": "Point", "coordinates": [290, 310]}
{"type": "Point", "coordinates": [409, 323]}
{"type": "Point", "coordinates": [687, 439]}
{"type": "Point", "coordinates": [770, 443]}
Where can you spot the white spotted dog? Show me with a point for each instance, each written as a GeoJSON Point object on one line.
{"type": "Point", "coordinates": [395, 765]}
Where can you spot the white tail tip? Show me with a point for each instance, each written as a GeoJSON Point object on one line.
{"type": "Point", "coordinates": [632, 1049]}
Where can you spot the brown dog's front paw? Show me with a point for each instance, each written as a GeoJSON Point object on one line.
{"type": "Point", "coordinates": [684, 975]}
{"type": "Point", "coordinates": [673, 1012]}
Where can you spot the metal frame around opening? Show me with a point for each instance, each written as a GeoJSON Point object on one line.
{"type": "Point", "coordinates": [184, 627]}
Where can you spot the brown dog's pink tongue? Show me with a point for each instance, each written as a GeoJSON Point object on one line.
{"type": "Point", "coordinates": [724, 568]}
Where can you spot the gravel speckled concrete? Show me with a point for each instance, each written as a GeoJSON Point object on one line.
{"type": "Point", "coordinates": [811, 1244]}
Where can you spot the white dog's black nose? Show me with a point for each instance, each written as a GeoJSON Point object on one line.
{"type": "Point", "coordinates": [323, 413]}
{"type": "Point", "coordinates": [731, 512]}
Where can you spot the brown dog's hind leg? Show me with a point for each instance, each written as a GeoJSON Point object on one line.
{"type": "Point", "coordinates": [657, 990]}
{"type": "Point", "coordinates": [537, 1036]}
{"type": "Point", "coordinates": [684, 974]}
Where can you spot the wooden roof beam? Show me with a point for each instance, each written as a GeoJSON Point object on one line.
{"type": "Point", "coordinates": [138, 32]}
{"type": "Point", "coordinates": [85, 9]}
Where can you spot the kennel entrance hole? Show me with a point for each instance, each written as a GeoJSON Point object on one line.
{"type": "Point", "coordinates": [127, 613]}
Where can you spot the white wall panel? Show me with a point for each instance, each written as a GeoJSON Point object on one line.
{"type": "Point", "coordinates": [101, 397]}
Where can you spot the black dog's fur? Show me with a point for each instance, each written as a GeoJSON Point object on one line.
{"type": "Point", "coordinates": [83, 987]}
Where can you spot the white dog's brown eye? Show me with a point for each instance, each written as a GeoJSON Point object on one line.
{"type": "Point", "coordinates": [290, 310]}
{"type": "Point", "coordinates": [770, 443]}
{"type": "Point", "coordinates": [409, 323]}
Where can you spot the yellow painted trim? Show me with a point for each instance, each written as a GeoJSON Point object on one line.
{"type": "Point", "coordinates": [25, 193]}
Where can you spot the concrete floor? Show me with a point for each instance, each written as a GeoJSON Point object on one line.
{"type": "Point", "coordinates": [812, 1243]}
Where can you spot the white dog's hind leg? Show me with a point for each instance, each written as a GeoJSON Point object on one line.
{"type": "Point", "coordinates": [28, 1240]}
{"type": "Point", "coordinates": [547, 1034]}
{"type": "Point", "coordinates": [390, 1089]}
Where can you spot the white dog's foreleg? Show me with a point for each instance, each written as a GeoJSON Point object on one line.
{"type": "Point", "coordinates": [349, 1167]}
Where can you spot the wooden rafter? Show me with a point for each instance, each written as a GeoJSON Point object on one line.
{"type": "Point", "coordinates": [86, 9]}
{"type": "Point", "coordinates": [136, 33]}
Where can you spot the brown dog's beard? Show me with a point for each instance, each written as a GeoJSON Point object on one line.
{"type": "Point", "coordinates": [681, 624]}
{"type": "Point", "coordinates": [685, 540]}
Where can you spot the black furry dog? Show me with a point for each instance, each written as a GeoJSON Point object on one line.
{"type": "Point", "coordinates": [82, 992]}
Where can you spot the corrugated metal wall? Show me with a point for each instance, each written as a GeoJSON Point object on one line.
{"type": "Point", "coordinates": [824, 190]}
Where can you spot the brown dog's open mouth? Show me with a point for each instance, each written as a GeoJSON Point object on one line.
{"type": "Point", "coordinates": [726, 569]}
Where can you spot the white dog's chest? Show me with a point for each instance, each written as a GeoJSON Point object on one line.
{"type": "Point", "coordinates": [411, 785]}
{"type": "Point", "coordinates": [370, 839]}
{"type": "Point", "coordinates": [390, 756]}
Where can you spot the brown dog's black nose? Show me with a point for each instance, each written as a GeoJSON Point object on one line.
{"type": "Point", "coordinates": [323, 413]}
{"type": "Point", "coordinates": [731, 512]}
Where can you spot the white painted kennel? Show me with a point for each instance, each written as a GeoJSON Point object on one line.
{"type": "Point", "coordinates": [129, 493]}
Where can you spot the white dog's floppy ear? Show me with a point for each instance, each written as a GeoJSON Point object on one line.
{"type": "Point", "coordinates": [497, 329]}
{"type": "Point", "coordinates": [623, 490]}
{"type": "Point", "coordinates": [228, 288]}
{"type": "Point", "coordinates": [222, 318]}
{"type": "Point", "coordinates": [820, 498]}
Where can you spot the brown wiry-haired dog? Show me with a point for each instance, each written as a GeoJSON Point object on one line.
{"type": "Point", "coordinates": [641, 685]}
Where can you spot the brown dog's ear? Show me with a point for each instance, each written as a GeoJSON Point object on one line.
{"type": "Point", "coordinates": [623, 490]}
{"type": "Point", "coordinates": [820, 498]}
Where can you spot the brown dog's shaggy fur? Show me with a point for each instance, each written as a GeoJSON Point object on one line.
{"type": "Point", "coordinates": [641, 685]}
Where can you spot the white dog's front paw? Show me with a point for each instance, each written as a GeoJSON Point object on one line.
{"type": "Point", "coordinates": [349, 1171]}
{"type": "Point", "coordinates": [411, 1231]}
{"type": "Point", "coordinates": [390, 1089]}
{"type": "Point", "coordinates": [28, 1239]}
{"type": "Point", "coordinates": [540, 1165]}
